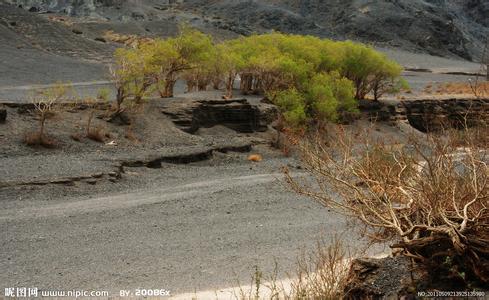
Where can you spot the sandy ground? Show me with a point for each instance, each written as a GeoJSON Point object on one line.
{"type": "Point", "coordinates": [184, 228]}
{"type": "Point", "coordinates": [197, 227]}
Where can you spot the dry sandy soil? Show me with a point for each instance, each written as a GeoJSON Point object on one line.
{"type": "Point", "coordinates": [70, 219]}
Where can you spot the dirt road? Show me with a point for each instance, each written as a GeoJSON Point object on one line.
{"type": "Point", "coordinates": [204, 233]}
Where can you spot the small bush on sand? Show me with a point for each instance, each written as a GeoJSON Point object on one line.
{"type": "Point", "coordinates": [130, 135]}
{"type": "Point", "coordinates": [46, 104]}
{"type": "Point", "coordinates": [97, 134]}
{"type": "Point", "coordinates": [36, 139]}
{"type": "Point", "coordinates": [91, 103]}
{"type": "Point", "coordinates": [320, 274]}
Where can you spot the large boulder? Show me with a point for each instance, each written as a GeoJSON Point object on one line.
{"type": "Point", "coordinates": [434, 115]}
{"type": "Point", "coordinates": [189, 115]}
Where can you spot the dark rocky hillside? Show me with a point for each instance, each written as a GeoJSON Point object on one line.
{"type": "Point", "coordinates": [443, 27]}
{"type": "Point", "coordinates": [440, 27]}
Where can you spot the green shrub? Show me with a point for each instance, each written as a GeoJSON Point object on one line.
{"type": "Point", "coordinates": [320, 100]}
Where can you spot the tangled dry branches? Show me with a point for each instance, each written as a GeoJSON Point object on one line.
{"type": "Point", "coordinates": [428, 198]}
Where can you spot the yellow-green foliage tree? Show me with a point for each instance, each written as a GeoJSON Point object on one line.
{"type": "Point", "coordinates": [308, 77]}
{"type": "Point", "coordinates": [204, 72]}
{"type": "Point", "coordinates": [190, 50]}
{"type": "Point", "coordinates": [275, 62]}
{"type": "Point", "coordinates": [132, 74]}
{"type": "Point", "coordinates": [158, 64]}
{"type": "Point", "coordinates": [386, 79]}
{"type": "Point", "coordinates": [231, 61]}
{"type": "Point", "coordinates": [321, 99]}
{"type": "Point", "coordinates": [369, 70]}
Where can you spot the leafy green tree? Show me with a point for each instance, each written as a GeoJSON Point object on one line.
{"type": "Point", "coordinates": [322, 98]}
{"type": "Point", "coordinates": [386, 79]}
{"type": "Point", "coordinates": [310, 79]}
{"type": "Point", "coordinates": [132, 74]}
{"type": "Point", "coordinates": [357, 65]}
{"type": "Point", "coordinates": [171, 57]}
{"type": "Point", "coordinates": [368, 69]}
{"type": "Point", "coordinates": [205, 72]}
{"type": "Point", "coordinates": [231, 62]}
{"type": "Point", "coordinates": [292, 105]}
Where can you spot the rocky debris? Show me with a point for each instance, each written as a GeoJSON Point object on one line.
{"type": "Point", "coordinates": [190, 115]}
{"type": "Point", "coordinates": [429, 115]}
{"type": "Point", "coordinates": [377, 111]}
{"type": "Point", "coordinates": [435, 115]}
{"type": "Point", "coordinates": [154, 161]}
{"type": "Point", "coordinates": [3, 114]}
{"type": "Point", "coordinates": [89, 179]}
{"type": "Point", "coordinates": [386, 278]}
{"type": "Point", "coordinates": [120, 118]}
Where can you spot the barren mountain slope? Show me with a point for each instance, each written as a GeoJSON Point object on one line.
{"type": "Point", "coordinates": [441, 27]}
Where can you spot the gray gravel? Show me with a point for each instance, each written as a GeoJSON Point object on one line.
{"type": "Point", "coordinates": [197, 227]}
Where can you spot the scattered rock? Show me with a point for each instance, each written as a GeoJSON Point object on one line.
{"type": "Point", "coordinates": [100, 39]}
{"type": "Point", "coordinates": [76, 31]}
{"type": "Point", "coordinates": [91, 181]}
{"type": "Point", "coordinates": [429, 115]}
{"type": "Point", "coordinates": [3, 114]}
{"type": "Point", "coordinates": [61, 181]}
{"type": "Point", "coordinates": [435, 115]}
{"type": "Point", "coordinates": [255, 158]}
{"type": "Point", "coordinates": [120, 118]}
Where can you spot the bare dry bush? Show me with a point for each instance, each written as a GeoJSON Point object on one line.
{"type": "Point", "coordinates": [429, 199]}
{"type": "Point", "coordinates": [474, 87]}
{"type": "Point", "coordinates": [47, 105]}
{"type": "Point", "coordinates": [320, 274]}
{"type": "Point", "coordinates": [323, 274]}
{"type": "Point", "coordinates": [35, 139]}
{"type": "Point", "coordinates": [131, 135]}
{"type": "Point", "coordinates": [130, 40]}
{"type": "Point", "coordinates": [97, 134]}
